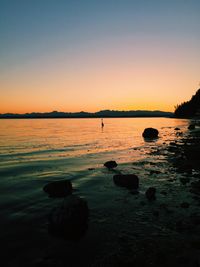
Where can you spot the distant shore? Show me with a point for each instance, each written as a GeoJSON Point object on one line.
{"type": "Point", "coordinates": [82, 114]}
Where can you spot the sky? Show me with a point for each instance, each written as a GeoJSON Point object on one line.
{"type": "Point", "coordinates": [91, 55]}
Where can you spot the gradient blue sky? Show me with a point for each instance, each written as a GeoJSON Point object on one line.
{"type": "Point", "coordinates": [90, 55]}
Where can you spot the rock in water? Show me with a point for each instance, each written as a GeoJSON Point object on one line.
{"type": "Point", "coordinates": [70, 220]}
{"type": "Point", "coordinates": [130, 181]}
{"type": "Point", "coordinates": [151, 193]}
{"type": "Point", "coordinates": [150, 133]}
{"type": "Point", "coordinates": [110, 164]}
{"type": "Point", "coordinates": [58, 188]}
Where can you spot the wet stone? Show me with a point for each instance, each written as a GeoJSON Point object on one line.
{"type": "Point", "coordinates": [58, 189]}
{"type": "Point", "coordinates": [150, 133]}
{"type": "Point", "coordinates": [110, 164]}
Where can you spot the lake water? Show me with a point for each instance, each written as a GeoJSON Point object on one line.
{"type": "Point", "coordinates": [37, 151]}
{"type": "Point", "coordinates": [44, 139]}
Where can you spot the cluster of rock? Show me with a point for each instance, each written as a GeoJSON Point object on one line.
{"type": "Point", "coordinates": [70, 219]}
{"type": "Point", "coordinates": [129, 181]}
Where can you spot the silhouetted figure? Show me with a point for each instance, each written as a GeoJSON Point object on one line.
{"type": "Point", "coordinates": [102, 124]}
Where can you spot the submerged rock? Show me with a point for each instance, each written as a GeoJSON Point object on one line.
{"type": "Point", "coordinates": [58, 188]}
{"type": "Point", "coordinates": [110, 164]}
{"type": "Point", "coordinates": [150, 133]}
{"type": "Point", "coordinates": [151, 193]}
{"type": "Point", "coordinates": [130, 181]}
{"type": "Point", "coordinates": [70, 219]}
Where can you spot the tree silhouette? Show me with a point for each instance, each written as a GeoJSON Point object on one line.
{"type": "Point", "coordinates": [189, 108]}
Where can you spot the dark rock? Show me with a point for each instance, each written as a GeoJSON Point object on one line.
{"type": "Point", "coordinates": [150, 133]}
{"type": "Point", "coordinates": [184, 205]}
{"type": "Point", "coordinates": [191, 127]}
{"type": "Point", "coordinates": [177, 129]}
{"type": "Point", "coordinates": [130, 181]}
{"type": "Point", "coordinates": [179, 133]}
{"type": "Point", "coordinates": [91, 169]}
{"type": "Point", "coordinates": [110, 164]}
{"type": "Point", "coordinates": [70, 219]}
{"type": "Point", "coordinates": [172, 144]}
{"type": "Point", "coordinates": [58, 188]}
{"type": "Point", "coordinates": [151, 193]}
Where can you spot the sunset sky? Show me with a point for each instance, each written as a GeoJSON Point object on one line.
{"type": "Point", "coordinates": [73, 55]}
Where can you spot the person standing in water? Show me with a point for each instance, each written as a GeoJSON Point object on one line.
{"type": "Point", "coordinates": [102, 124]}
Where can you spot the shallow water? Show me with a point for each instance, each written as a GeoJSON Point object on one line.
{"type": "Point", "coordinates": [34, 152]}
{"type": "Point", "coordinates": [42, 139]}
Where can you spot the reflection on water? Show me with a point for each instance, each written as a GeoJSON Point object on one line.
{"type": "Point", "coordinates": [41, 139]}
{"type": "Point", "coordinates": [34, 152]}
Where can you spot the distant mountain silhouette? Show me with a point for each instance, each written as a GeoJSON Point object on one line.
{"type": "Point", "coordinates": [189, 108]}
{"type": "Point", "coordinates": [82, 114]}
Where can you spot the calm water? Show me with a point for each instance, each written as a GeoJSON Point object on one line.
{"type": "Point", "coordinates": [35, 152]}
{"type": "Point", "coordinates": [44, 139]}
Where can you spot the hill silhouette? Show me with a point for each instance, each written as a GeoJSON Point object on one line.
{"type": "Point", "coordinates": [82, 114]}
{"type": "Point", "coordinates": [189, 108]}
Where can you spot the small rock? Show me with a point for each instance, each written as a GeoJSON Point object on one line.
{"type": "Point", "coordinates": [177, 129]}
{"type": "Point", "coordinates": [130, 181]}
{"type": "Point", "coordinates": [151, 193]}
{"type": "Point", "coordinates": [58, 188]}
{"type": "Point", "coordinates": [150, 133]}
{"type": "Point", "coordinates": [70, 219]}
{"type": "Point", "coordinates": [91, 169]}
{"type": "Point", "coordinates": [110, 164]}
